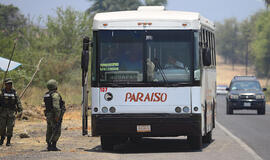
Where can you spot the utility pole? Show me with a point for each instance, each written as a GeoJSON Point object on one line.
{"type": "Point", "coordinates": [247, 60]}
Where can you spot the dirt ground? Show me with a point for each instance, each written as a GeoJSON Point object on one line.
{"type": "Point", "coordinates": [75, 146]}
{"type": "Point", "coordinates": [70, 141]}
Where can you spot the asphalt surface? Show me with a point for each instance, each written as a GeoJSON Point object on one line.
{"type": "Point", "coordinates": [77, 147]}
{"type": "Point", "coordinates": [236, 137]}
{"type": "Point", "coordinates": [252, 129]}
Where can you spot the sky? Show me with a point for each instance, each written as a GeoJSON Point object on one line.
{"type": "Point", "coordinates": [215, 10]}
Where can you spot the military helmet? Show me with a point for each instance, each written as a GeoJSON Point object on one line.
{"type": "Point", "coordinates": [52, 84]}
{"type": "Point", "coordinates": [8, 80]}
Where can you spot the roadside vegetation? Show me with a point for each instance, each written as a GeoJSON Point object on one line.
{"type": "Point", "coordinates": [58, 40]}
{"type": "Point", "coordinates": [247, 43]}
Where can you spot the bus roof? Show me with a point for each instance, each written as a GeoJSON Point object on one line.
{"type": "Point", "coordinates": [149, 18]}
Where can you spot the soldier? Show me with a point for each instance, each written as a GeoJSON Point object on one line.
{"type": "Point", "coordinates": [54, 107]}
{"type": "Point", "coordinates": [10, 104]}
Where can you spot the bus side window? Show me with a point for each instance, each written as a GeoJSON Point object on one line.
{"type": "Point", "coordinates": [206, 49]}
{"type": "Point", "coordinates": [210, 46]}
{"type": "Point", "coordinates": [214, 51]}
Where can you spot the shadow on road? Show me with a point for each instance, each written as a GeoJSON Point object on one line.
{"type": "Point", "coordinates": [151, 145]}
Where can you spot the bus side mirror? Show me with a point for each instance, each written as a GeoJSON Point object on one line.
{"type": "Point", "coordinates": [85, 54]}
{"type": "Point", "coordinates": [264, 89]}
{"type": "Point", "coordinates": [227, 89]}
{"type": "Point", "coordinates": [206, 55]}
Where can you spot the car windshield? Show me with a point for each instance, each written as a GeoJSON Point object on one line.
{"type": "Point", "coordinates": [245, 85]}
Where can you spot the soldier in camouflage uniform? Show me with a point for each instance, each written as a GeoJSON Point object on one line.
{"type": "Point", "coordinates": [10, 104]}
{"type": "Point", "coordinates": [54, 104]}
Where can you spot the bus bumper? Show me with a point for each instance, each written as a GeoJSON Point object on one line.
{"type": "Point", "coordinates": [160, 125]}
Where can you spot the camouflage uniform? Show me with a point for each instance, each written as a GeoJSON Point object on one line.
{"type": "Point", "coordinates": [52, 100]}
{"type": "Point", "coordinates": [10, 104]}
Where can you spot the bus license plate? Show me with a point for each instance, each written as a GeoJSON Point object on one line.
{"type": "Point", "coordinates": [247, 104]}
{"type": "Point", "coordinates": [143, 128]}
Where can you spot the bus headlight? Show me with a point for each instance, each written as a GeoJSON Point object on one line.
{"type": "Point", "coordinates": [177, 109]}
{"type": "Point", "coordinates": [112, 109]}
{"type": "Point", "coordinates": [95, 109]}
{"type": "Point", "coordinates": [104, 109]}
{"type": "Point", "coordinates": [186, 109]}
{"type": "Point", "coordinates": [196, 109]}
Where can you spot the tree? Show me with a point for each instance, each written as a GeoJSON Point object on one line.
{"type": "Point", "coordinates": [155, 2]}
{"type": "Point", "coordinates": [10, 19]}
{"type": "Point", "coordinates": [267, 3]}
{"type": "Point", "coordinates": [227, 36]}
{"type": "Point", "coordinates": [245, 39]}
{"type": "Point", "coordinates": [261, 45]}
{"type": "Point", "coordinates": [120, 5]}
{"type": "Point", "coordinates": [66, 31]}
{"type": "Point", "coordinates": [60, 43]}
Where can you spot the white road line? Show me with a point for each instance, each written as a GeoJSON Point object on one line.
{"type": "Point", "coordinates": [239, 141]}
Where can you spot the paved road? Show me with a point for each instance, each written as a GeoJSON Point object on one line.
{"type": "Point", "coordinates": [251, 128]}
{"type": "Point", "coordinates": [74, 146]}
{"type": "Point", "coordinates": [223, 147]}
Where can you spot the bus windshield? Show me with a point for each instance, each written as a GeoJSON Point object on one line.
{"type": "Point", "coordinates": [145, 56]}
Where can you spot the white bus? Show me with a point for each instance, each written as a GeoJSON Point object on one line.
{"type": "Point", "coordinates": [153, 75]}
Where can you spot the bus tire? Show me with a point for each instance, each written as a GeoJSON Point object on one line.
{"type": "Point", "coordinates": [207, 138]}
{"type": "Point", "coordinates": [195, 142]}
{"type": "Point", "coordinates": [106, 143]}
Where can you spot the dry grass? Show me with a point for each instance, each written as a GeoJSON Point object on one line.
{"type": "Point", "coordinates": [34, 95]}
{"type": "Point", "coordinates": [225, 72]}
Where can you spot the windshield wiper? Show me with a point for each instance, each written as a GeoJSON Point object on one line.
{"type": "Point", "coordinates": [156, 61]}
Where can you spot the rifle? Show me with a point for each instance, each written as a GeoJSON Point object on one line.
{"type": "Point", "coordinates": [8, 64]}
{"type": "Point", "coordinates": [58, 124]}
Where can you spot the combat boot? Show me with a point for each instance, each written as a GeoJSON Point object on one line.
{"type": "Point", "coordinates": [2, 140]}
{"type": "Point", "coordinates": [54, 148]}
{"type": "Point", "coordinates": [8, 141]}
{"type": "Point", "coordinates": [49, 147]}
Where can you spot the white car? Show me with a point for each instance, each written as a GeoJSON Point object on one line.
{"type": "Point", "coordinates": [221, 89]}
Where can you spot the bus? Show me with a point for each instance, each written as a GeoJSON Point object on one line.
{"type": "Point", "coordinates": [153, 74]}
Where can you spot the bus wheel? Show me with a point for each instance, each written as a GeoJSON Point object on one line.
{"type": "Point", "coordinates": [207, 138]}
{"type": "Point", "coordinates": [195, 142]}
{"type": "Point", "coordinates": [106, 143]}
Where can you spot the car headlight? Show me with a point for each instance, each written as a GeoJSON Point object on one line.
{"type": "Point", "coordinates": [260, 96]}
{"type": "Point", "coordinates": [234, 96]}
